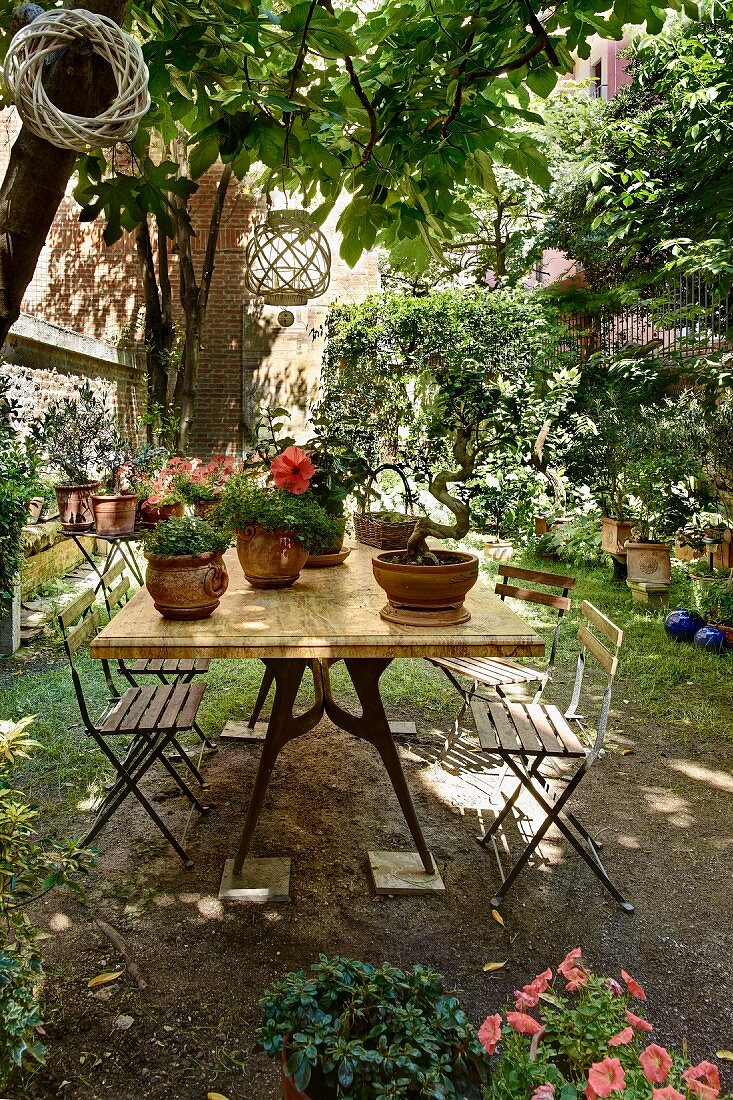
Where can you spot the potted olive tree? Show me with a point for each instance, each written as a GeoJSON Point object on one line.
{"type": "Point", "coordinates": [186, 574]}
{"type": "Point", "coordinates": [77, 435]}
{"type": "Point", "coordinates": [276, 528]}
{"type": "Point", "coordinates": [346, 1028]}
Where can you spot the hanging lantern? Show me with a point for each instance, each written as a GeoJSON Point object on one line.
{"type": "Point", "coordinates": [288, 259]}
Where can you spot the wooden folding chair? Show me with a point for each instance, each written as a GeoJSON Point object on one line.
{"type": "Point", "coordinates": [527, 735]}
{"type": "Point", "coordinates": [497, 673]}
{"type": "Point", "coordinates": [149, 719]}
{"type": "Point", "coordinates": [116, 591]}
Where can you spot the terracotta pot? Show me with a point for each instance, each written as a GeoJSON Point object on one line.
{"type": "Point", "coordinates": [186, 587]}
{"type": "Point", "coordinates": [75, 506]}
{"type": "Point", "coordinates": [427, 587]}
{"type": "Point", "coordinates": [151, 514]}
{"type": "Point", "coordinates": [499, 550]}
{"type": "Point", "coordinates": [114, 515]}
{"type": "Point", "coordinates": [541, 526]}
{"type": "Point", "coordinates": [686, 553]}
{"type": "Point", "coordinates": [202, 508]}
{"type": "Point", "coordinates": [728, 631]}
{"type": "Point", "coordinates": [270, 559]}
{"type": "Point", "coordinates": [614, 534]}
{"type": "Point", "coordinates": [648, 563]}
{"type": "Point", "coordinates": [35, 507]}
{"type": "Point", "coordinates": [290, 1092]}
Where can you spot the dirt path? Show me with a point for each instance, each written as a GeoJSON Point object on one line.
{"type": "Point", "coordinates": [665, 815]}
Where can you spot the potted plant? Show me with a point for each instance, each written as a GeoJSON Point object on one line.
{"type": "Point", "coordinates": [75, 435]}
{"type": "Point", "coordinates": [346, 1028]}
{"type": "Point", "coordinates": [276, 528]}
{"type": "Point", "coordinates": [166, 494]}
{"type": "Point", "coordinates": [186, 574]}
{"type": "Point", "coordinates": [115, 505]}
{"type": "Point", "coordinates": [715, 601]}
{"type": "Point", "coordinates": [206, 481]}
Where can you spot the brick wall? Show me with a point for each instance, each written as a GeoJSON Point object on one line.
{"type": "Point", "coordinates": [83, 285]}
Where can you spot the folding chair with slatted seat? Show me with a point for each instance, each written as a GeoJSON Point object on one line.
{"type": "Point", "coordinates": [526, 736]}
{"type": "Point", "coordinates": [148, 719]}
{"type": "Point", "coordinates": [116, 591]}
{"type": "Point", "coordinates": [498, 673]}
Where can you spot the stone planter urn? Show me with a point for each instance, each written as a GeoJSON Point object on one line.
{"type": "Point", "coordinates": [499, 549]}
{"type": "Point", "coordinates": [648, 563]}
{"type": "Point", "coordinates": [270, 559]}
{"type": "Point", "coordinates": [186, 586]}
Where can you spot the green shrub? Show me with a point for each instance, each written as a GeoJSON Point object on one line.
{"type": "Point", "coordinates": [181, 536]}
{"type": "Point", "coordinates": [18, 483]}
{"type": "Point", "coordinates": [79, 436]}
{"type": "Point", "coordinates": [371, 1032]}
{"type": "Point", "coordinates": [245, 502]}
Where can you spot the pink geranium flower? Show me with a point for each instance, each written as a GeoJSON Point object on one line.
{"type": "Point", "coordinates": [633, 986]}
{"type": "Point", "coordinates": [703, 1081]}
{"type": "Point", "coordinates": [606, 1077]}
{"type": "Point", "coordinates": [623, 1038]}
{"type": "Point", "coordinates": [523, 1023]}
{"type": "Point", "coordinates": [544, 1092]}
{"type": "Point", "coordinates": [292, 470]}
{"type": "Point", "coordinates": [489, 1034]}
{"type": "Point", "coordinates": [638, 1022]}
{"type": "Point", "coordinates": [656, 1063]}
{"type": "Point", "coordinates": [667, 1093]}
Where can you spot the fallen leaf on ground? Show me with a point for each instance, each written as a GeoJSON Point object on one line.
{"type": "Point", "coordinates": [724, 1055]}
{"type": "Point", "coordinates": [216, 1096]}
{"type": "Point", "coordinates": [496, 915]}
{"type": "Point", "coordinates": [489, 968]}
{"type": "Point", "coordinates": [628, 752]}
{"type": "Point", "coordinates": [105, 978]}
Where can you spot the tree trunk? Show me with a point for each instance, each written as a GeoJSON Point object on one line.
{"type": "Point", "coordinates": [38, 173]}
{"type": "Point", "coordinates": [465, 456]}
{"type": "Point", "coordinates": [157, 377]}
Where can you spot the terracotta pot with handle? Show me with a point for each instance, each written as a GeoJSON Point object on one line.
{"type": "Point", "coordinates": [186, 586]}
{"type": "Point", "coordinates": [114, 515]}
{"type": "Point", "coordinates": [75, 506]}
{"type": "Point", "coordinates": [270, 559]}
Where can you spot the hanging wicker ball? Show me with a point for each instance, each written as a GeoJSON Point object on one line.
{"type": "Point", "coordinates": [288, 259]}
{"type": "Point", "coordinates": [25, 65]}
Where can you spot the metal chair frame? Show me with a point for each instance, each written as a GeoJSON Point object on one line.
{"type": "Point", "coordinates": [526, 736]}
{"type": "Point", "coordinates": [79, 623]}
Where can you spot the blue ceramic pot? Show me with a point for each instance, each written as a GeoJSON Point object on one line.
{"type": "Point", "coordinates": [682, 625]}
{"type": "Point", "coordinates": [709, 637]}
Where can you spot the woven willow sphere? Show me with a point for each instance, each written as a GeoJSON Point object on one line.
{"type": "Point", "coordinates": [25, 65]}
{"type": "Point", "coordinates": [288, 259]}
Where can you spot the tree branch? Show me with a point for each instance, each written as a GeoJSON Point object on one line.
{"type": "Point", "coordinates": [362, 97]}
{"type": "Point", "coordinates": [212, 239]}
{"type": "Point", "coordinates": [425, 527]}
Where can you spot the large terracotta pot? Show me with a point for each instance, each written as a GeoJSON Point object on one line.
{"type": "Point", "coordinates": [270, 559]}
{"type": "Point", "coordinates": [648, 563]}
{"type": "Point", "coordinates": [114, 515]}
{"type": "Point", "coordinates": [435, 592]}
{"type": "Point", "coordinates": [186, 587]}
{"type": "Point", "coordinates": [151, 514]}
{"type": "Point", "coordinates": [614, 534]}
{"type": "Point", "coordinates": [75, 506]}
{"type": "Point", "coordinates": [35, 507]}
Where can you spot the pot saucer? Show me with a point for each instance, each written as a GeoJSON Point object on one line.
{"type": "Point", "coordinates": [323, 561]}
{"type": "Point", "coordinates": [410, 616]}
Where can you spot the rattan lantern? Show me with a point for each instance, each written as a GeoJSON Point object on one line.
{"type": "Point", "coordinates": [288, 259]}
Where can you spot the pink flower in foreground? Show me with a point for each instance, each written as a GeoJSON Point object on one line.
{"type": "Point", "coordinates": [623, 1038]}
{"type": "Point", "coordinates": [575, 976]}
{"type": "Point", "coordinates": [544, 1092]}
{"type": "Point", "coordinates": [656, 1063]}
{"type": "Point", "coordinates": [606, 1077]}
{"type": "Point", "coordinates": [292, 470]}
{"type": "Point", "coordinates": [667, 1093]}
{"type": "Point", "coordinates": [529, 995]}
{"type": "Point", "coordinates": [615, 987]}
{"type": "Point", "coordinates": [569, 962]}
{"type": "Point", "coordinates": [638, 1022]}
{"type": "Point", "coordinates": [633, 986]}
{"type": "Point", "coordinates": [489, 1034]}
{"type": "Point", "coordinates": [524, 1024]}
{"type": "Point", "coordinates": [703, 1081]}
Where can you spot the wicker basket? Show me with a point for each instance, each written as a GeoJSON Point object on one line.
{"type": "Point", "coordinates": [371, 530]}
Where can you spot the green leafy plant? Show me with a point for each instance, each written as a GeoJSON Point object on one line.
{"type": "Point", "coordinates": [587, 1039]}
{"type": "Point", "coordinates": [79, 436]}
{"type": "Point", "coordinates": [351, 1029]}
{"type": "Point", "coordinates": [244, 502]}
{"type": "Point", "coordinates": [28, 866]}
{"type": "Point", "coordinates": [181, 536]}
{"type": "Point", "coordinates": [714, 598]}
{"type": "Point", "coordinates": [19, 482]}
{"type": "Point", "coordinates": [578, 541]}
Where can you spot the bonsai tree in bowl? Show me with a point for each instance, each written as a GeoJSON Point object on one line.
{"type": "Point", "coordinates": [78, 435]}
{"type": "Point", "coordinates": [186, 574]}
{"type": "Point", "coordinates": [276, 527]}
{"type": "Point", "coordinates": [348, 1028]}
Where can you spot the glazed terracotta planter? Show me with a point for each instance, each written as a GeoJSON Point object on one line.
{"type": "Point", "coordinates": [426, 594]}
{"type": "Point", "coordinates": [151, 514]}
{"type": "Point", "coordinates": [114, 515]}
{"type": "Point", "coordinates": [270, 559]}
{"type": "Point", "coordinates": [648, 563]}
{"type": "Point", "coordinates": [186, 587]}
{"type": "Point", "coordinates": [75, 506]}
{"type": "Point", "coordinates": [614, 535]}
{"type": "Point", "coordinates": [499, 550]}
{"type": "Point", "coordinates": [202, 508]}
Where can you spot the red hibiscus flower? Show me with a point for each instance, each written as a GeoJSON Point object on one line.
{"type": "Point", "coordinates": [292, 470]}
{"type": "Point", "coordinates": [656, 1063]}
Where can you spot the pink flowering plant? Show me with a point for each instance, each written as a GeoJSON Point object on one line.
{"type": "Point", "coordinates": [574, 1034]}
{"type": "Point", "coordinates": [206, 480]}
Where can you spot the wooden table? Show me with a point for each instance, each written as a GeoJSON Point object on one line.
{"type": "Point", "coordinates": [328, 615]}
